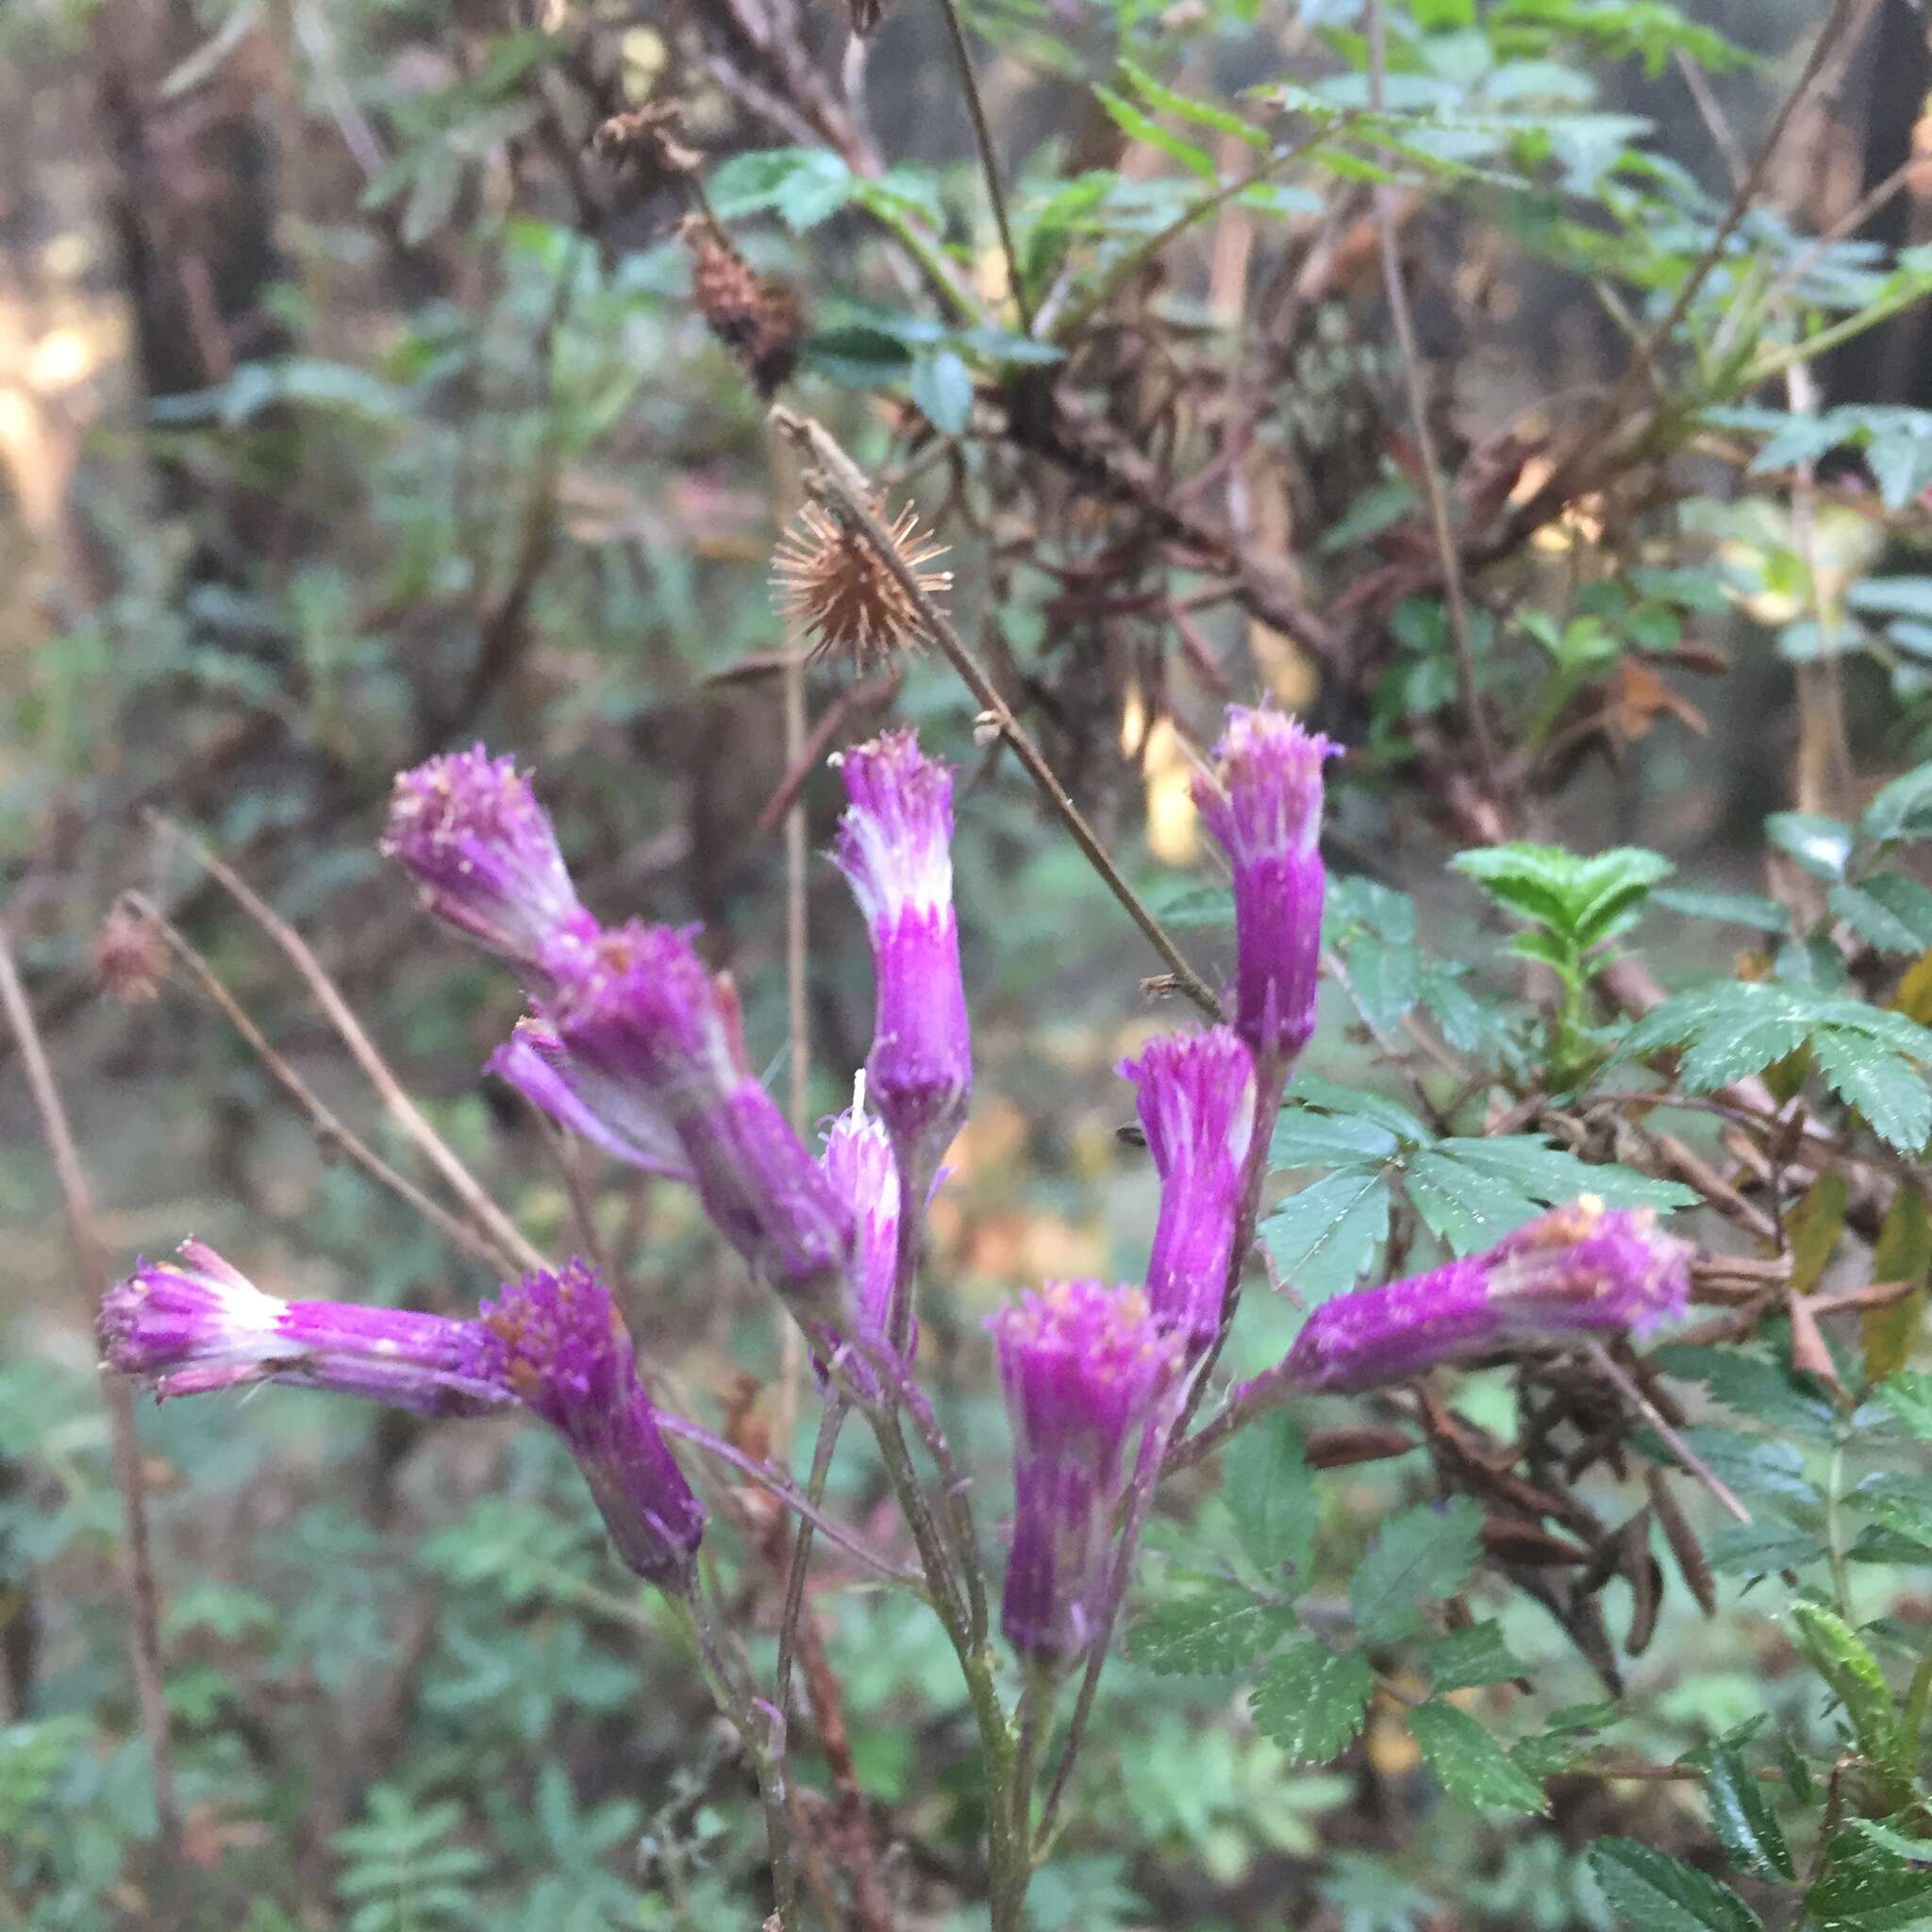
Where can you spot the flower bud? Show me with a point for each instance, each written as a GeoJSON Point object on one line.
{"type": "Point", "coordinates": [858, 1161]}
{"type": "Point", "coordinates": [559, 1342]}
{"type": "Point", "coordinates": [614, 1117]}
{"type": "Point", "coordinates": [1083, 1367]}
{"type": "Point", "coordinates": [1263, 804]}
{"type": "Point", "coordinates": [469, 830]}
{"type": "Point", "coordinates": [1578, 1270]}
{"type": "Point", "coordinates": [1196, 1096]}
{"type": "Point", "coordinates": [637, 1011]}
{"type": "Point", "coordinates": [188, 1326]}
{"type": "Point", "coordinates": [895, 848]}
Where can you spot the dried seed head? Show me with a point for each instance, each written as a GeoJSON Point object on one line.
{"type": "Point", "coordinates": [838, 589]}
{"type": "Point", "coordinates": [130, 957]}
{"type": "Point", "coordinates": [756, 317]}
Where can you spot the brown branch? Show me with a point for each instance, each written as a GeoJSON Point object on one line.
{"type": "Point", "coordinates": [504, 1233]}
{"type": "Point", "coordinates": [92, 1278]}
{"type": "Point", "coordinates": [329, 1129]}
{"type": "Point", "coordinates": [845, 484]}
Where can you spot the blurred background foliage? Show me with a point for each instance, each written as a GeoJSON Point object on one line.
{"type": "Point", "coordinates": [355, 404]}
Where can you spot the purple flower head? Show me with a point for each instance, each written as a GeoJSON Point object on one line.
{"type": "Point", "coordinates": [614, 1117]}
{"type": "Point", "coordinates": [188, 1326]}
{"type": "Point", "coordinates": [895, 848]}
{"type": "Point", "coordinates": [558, 1343]}
{"type": "Point", "coordinates": [1580, 1270]}
{"type": "Point", "coordinates": [1083, 1367]}
{"type": "Point", "coordinates": [469, 830]}
{"type": "Point", "coordinates": [1196, 1096]}
{"type": "Point", "coordinates": [858, 1161]}
{"type": "Point", "coordinates": [1263, 804]}
{"type": "Point", "coordinates": [638, 1012]}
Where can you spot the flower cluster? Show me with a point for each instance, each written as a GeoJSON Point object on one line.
{"type": "Point", "coordinates": [553, 1342]}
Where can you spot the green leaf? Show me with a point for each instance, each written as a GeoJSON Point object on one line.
{"type": "Point", "coordinates": [1891, 597]}
{"type": "Point", "coordinates": [1762, 1547]}
{"type": "Point", "coordinates": [804, 185]}
{"type": "Point", "coordinates": [1313, 1091]}
{"type": "Point", "coordinates": [1551, 1176]}
{"type": "Point", "coordinates": [1902, 809]}
{"type": "Point", "coordinates": [1467, 1658]}
{"type": "Point", "coordinates": [1184, 108]}
{"type": "Point", "coordinates": [1311, 1699]}
{"type": "Point", "coordinates": [1908, 1395]}
{"type": "Point", "coordinates": [1468, 1209]}
{"type": "Point", "coordinates": [1271, 1497]}
{"type": "Point", "coordinates": [1821, 847]}
{"type": "Point", "coordinates": [1140, 127]}
{"type": "Point", "coordinates": [1766, 1466]}
{"type": "Point", "coordinates": [1730, 909]}
{"type": "Point", "coordinates": [1304, 1138]}
{"type": "Point", "coordinates": [1888, 908]}
{"type": "Point", "coordinates": [1183, 902]}
{"type": "Point", "coordinates": [1741, 1819]}
{"type": "Point", "coordinates": [1425, 1552]}
{"type": "Point", "coordinates": [1655, 1892]}
{"type": "Point", "coordinates": [1754, 1386]}
{"type": "Point", "coordinates": [1209, 1634]}
{"type": "Point", "coordinates": [1889, 1090]}
{"type": "Point", "coordinates": [1842, 1659]}
{"type": "Point", "coordinates": [1322, 1237]}
{"type": "Point", "coordinates": [943, 387]}
{"type": "Point", "coordinates": [1470, 1762]}
{"type": "Point", "coordinates": [1535, 882]}
{"type": "Point", "coordinates": [1868, 1887]}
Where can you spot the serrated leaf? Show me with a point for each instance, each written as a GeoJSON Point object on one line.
{"type": "Point", "coordinates": [1140, 127]}
{"type": "Point", "coordinates": [1844, 1661]}
{"type": "Point", "coordinates": [1310, 1700]}
{"type": "Point", "coordinates": [1868, 1887]}
{"type": "Point", "coordinates": [1751, 1386]}
{"type": "Point", "coordinates": [1762, 1547]}
{"type": "Point", "coordinates": [1468, 1657]}
{"type": "Point", "coordinates": [1424, 1552]}
{"type": "Point", "coordinates": [1741, 1819]}
{"type": "Point", "coordinates": [1470, 1762]}
{"type": "Point", "coordinates": [1821, 846]}
{"type": "Point", "coordinates": [1304, 1138]}
{"type": "Point", "coordinates": [1724, 1053]}
{"type": "Point", "coordinates": [1182, 902]}
{"type": "Point", "coordinates": [1887, 1089]}
{"type": "Point", "coordinates": [1888, 909]}
{"type": "Point", "coordinates": [1908, 1395]}
{"type": "Point", "coordinates": [1185, 108]}
{"type": "Point", "coordinates": [1655, 1892]}
{"type": "Point", "coordinates": [1207, 1635]}
{"type": "Point", "coordinates": [1468, 1209]}
{"type": "Point", "coordinates": [1551, 1174]}
{"type": "Point", "coordinates": [1729, 908]}
{"type": "Point", "coordinates": [1271, 1497]}
{"type": "Point", "coordinates": [1753, 1466]}
{"type": "Point", "coordinates": [1365, 1104]}
{"type": "Point", "coordinates": [1532, 881]}
{"type": "Point", "coordinates": [1387, 978]}
{"type": "Point", "coordinates": [1322, 1237]}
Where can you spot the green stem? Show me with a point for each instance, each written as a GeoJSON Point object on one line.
{"type": "Point", "coordinates": [830, 1422]}
{"type": "Point", "coordinates": [738, 1706]}
{"type": "Point", "coordinates": [1834, 1542]}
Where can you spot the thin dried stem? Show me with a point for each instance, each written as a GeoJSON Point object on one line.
{"type": "Point", "coordinates": [504, 1233]}
{"type": "Point", "coordinates": [989, 162]}
{"type": "Point", "coordinates": [1433, 486]}
{"type": "Point", "coordinates": [845, 484]}
{"type": "Point", "coordinates": [91, 1278]}
{"type": "Point", "coordinates": [1661, 1424]}
{"type": "Point", "coordinates": [329, 1129]}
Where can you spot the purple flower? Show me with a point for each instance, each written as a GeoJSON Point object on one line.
{"type": "Point", "coordinates": [1580, 1270]}
{"type": "Point", "coordinates": [895, 848]}
{"type": "Point", "coordinates": [638, 1012]}
{"type": "Point", "coordinates": [1083, 1367]}
{"type": "Point", "coordinates": [858, 1161]}
{"type": "Point", "coordinates": [559, 1344]}
{"type": "Point", "coordinates": [553, 1342]}
{"type": "Point", "coordinates": [188, 1326]}
{"type": "Point", "coordinates": [1196, 1096]}
{"type": "Point", "coordinates": [612, 1116]}
{"type": "Point", "coordinates": [469, 830]}
{"type": "Point", "coordinates": [1263, 804]}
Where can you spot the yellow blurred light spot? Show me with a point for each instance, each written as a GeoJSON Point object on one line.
{"type": "Point", "coordinates": [1173, 826]}
{"type": "Point", "coordinates": [61, 357]}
